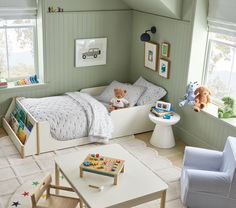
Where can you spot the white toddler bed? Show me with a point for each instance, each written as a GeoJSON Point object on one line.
{"type": "Point", "coordinates": [126, 122]}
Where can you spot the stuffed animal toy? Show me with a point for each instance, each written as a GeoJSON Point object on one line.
{"type": "Point", "coordinates": [189, 97]}
{"type": "Point", "coordinates": [228, 110]}
{"type": "Point", "coordinates": [203, 97]}
{"type": "Point", "coordinates": [118, 101]}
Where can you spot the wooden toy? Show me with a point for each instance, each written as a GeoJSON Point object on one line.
{"type": "Point", "coordinates": [100, 188]}
{"type": "Point", "coordinates": [98, 164]}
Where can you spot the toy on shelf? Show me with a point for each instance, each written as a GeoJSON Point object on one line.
{"type": "Point", "coordinates": [162, 109]}
{"type": "Point", "coordinates": [189, 97]}
{"type": "Point", "coordinates": [118, 101]}
{"type": "Point", "coordinates": [98, 164]}
{"type": "Point", "coordinates": [57, 9]}
{"type": "Point", "coordinates": [28, 81]}
{"type": "Point", "coordinates": [203, 97]}
{"type": "Point", "coordinates": [3, 83]}
{"type": "Point", "coordinates": [167, 116]}
{"type": "Point", "coordinates": [228, 110]}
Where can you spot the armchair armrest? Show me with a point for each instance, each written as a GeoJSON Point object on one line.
{"type": "Point", "coordinates": [208, 181]}
{"type": "Point", "coordinates": [203, 159]}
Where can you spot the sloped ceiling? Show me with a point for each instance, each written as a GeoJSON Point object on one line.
{"type": "Point", "coordinates": [169, 8]}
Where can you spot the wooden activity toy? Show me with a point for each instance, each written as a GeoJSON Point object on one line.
{"type": "Point", "coordinates": [98, 164]}
{"type": "Point", "coordinates": [100, 188]}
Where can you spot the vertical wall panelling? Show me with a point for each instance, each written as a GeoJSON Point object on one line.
{"type": "Point", "coordinates": [60, 30]}
{"type": "Point", "coordinates": [177, 34]}
{"type": "Point", "coordinates": [198, 129]}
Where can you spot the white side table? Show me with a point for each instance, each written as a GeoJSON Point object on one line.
{"type": "Point", "coordinates": [163, 136]}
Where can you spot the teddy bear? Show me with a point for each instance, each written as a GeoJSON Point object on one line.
{"type": "Point", "coordinates": [228, 110]}
{"type": "Point", "coordinates": [203, 97]}
{"type": "Point", "coordinates": [189, 97]}
{"type": "Point", "coordinates": [118, 101]}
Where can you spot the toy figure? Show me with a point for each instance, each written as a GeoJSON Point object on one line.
{"type": "Point", "coordinates": [189, 97]}
{"type": "Point", "coordinates": [228, 110]}
{"type": "Point", "coordinates": [203, 97]}
{"type": "Point", "coordinates": [30, 80]}
{"type": "Point", "coordinates": [118, 101]}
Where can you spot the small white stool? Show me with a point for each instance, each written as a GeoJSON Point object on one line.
{"type": "Point", "coordinates": [163, 136]}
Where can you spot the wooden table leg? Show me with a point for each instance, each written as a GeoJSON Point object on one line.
{"type": "Point", "coordinates": [57, 177]}
{"type": "Point", "coordinates": [81, 173]}
{"type": "Point", "coordinates": [123, 169]}
{"type": "Point", "coordinates": [115, 180]}
{"type": "Point", "coordinates": [163, 199]}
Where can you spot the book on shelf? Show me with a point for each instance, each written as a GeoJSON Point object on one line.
{"type": "Point", "coordinates": [20, 124]}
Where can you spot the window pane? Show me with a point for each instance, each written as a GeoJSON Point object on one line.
{"type": "Point", "coordinates": [3, 57]}
{"type": "Point", "coordinates": [233, 81]}
{"type": "Point", "coordinates": [219, 69]}
{"type": "Point", "coordinates": [20, 22]}
{"type": "Point", "coordinates": [21, 52]}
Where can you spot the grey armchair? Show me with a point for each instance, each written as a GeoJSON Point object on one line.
{"type": "Point", "coordinates": [208, 178]}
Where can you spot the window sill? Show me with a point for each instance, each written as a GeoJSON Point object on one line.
{"type": "Point", "coordinates": [12, 88]}
{"type": "Point", "coordinates": [212, 110]}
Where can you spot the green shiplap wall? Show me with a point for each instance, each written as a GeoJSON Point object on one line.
{"type": "Point", "coordinates": [64, 29]}
{"type": "Point", "coordinates": [125, 61]}
{"type": "Point", "coordinates": [198, 129]}
{"type": "Point", "coordinates": [60, 32]}
{"type": "Point", "coordinates": [177, 33]}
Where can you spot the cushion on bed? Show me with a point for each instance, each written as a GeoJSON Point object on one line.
{"type": "Point", "coordinates": [133, 92]}
{"type": "Point", "coordinates": [152, 94]}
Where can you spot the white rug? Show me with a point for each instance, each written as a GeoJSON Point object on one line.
{"type": "Point", "coordinates": [18, 175]}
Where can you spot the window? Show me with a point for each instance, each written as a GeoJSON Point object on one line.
{"type": "Point", "coordinates": [18, 50]}
{"type": "Point", "coordinates": [221, 66]}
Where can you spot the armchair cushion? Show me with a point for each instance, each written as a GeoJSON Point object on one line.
{"type": "Point", "coordinates": [203, 159]}
{"type": "Point", "coordinates": [208, 181]}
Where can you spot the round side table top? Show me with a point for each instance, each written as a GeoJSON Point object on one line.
{"type": "Point", "coordinates": [164, 122]}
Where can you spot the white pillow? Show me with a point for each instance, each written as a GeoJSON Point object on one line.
{"type": "Point", "coordinates": [152, 94]}
{"type": "Point", "coordinates": [133, 92]}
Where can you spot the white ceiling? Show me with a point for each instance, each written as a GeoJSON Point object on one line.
{"type": "Point", "coordinates": [170, 8]}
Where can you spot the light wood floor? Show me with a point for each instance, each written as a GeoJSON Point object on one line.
{"type": "Point", "coordinates": [175, 155]}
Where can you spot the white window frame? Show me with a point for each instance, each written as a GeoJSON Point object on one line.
{"type": "Point", "coordinates": [209, 47]}
{"type": "Point", "coordinates": [35, 47]}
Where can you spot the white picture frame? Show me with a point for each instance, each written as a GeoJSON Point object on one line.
{"type": "Point", "coordinates": [151, 55]}
{"type": "Point", "coordinates": [90, 52]}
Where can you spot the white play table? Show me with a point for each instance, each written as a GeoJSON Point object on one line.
{"type": "Point", "coordinates": [137, 185]}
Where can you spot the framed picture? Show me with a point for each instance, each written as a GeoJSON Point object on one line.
{"type": "Point", "coordinates": [165, 49]}
{"type": "Point", "coordinates": [90, 52]}
{"type": "Point", "coordinates": [151, 55]}
{"type": "Point", "coordinates": [164, 68]}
